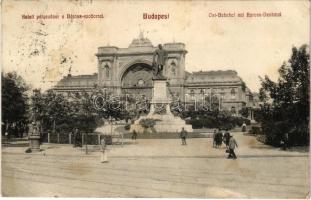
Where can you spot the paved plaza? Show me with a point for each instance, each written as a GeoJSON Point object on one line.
{"type": "Point", "coordinates": [157, 168]}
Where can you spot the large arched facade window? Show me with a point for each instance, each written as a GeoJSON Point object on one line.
{"type": "Point", "coordinates": [137, 80]}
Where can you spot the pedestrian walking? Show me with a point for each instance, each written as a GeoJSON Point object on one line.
{"type": "Point", "coordinates": [243, 127]}
{"type": "Point", "coordinates": [103, 157]}
{"type": "Point", "coordinates": [219, 137]}
{"type": "Point", "coordinates": [183, 136]}
{"type": "Point", "coordinates": [214, 138]}
{"type": "Point", "coordinates": [227, 138]}
{"type": "Point", "coordinates": [77, 138]}
{"type": "Point", "coordinates": [134, 135]}
{"type": "Point", "coordinates": [285, 141]}
{"type": "Point", "coordinates": [232, 145]}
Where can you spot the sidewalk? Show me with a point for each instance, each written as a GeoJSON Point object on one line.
{"type": "Point", "coordinates": [196, 147]}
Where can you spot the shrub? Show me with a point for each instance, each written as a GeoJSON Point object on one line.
{"type": "Point", "coordinates": [209, 122]}
{"type": "Point", "coordinates": [196, 123]}
{"type": "Point", "coordinates": [147, 123]}
{"type": "Point", "coordinates": [274, 132]}
{"type": "Point", "coordinates": [240, 120]}
{"type": "Point", "coordinates": [208, 119]}
{"type": "Point", "coordinates": [127, 127]}
{"type": "Point", "coordinates": [255, 130]}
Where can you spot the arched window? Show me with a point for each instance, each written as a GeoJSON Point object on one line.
{"type": "Point", "coordinates": [173, 68]}
{"type": "Point", "coordinates": [233, 111]}
{"type": "Point", "coordinates": [213, 91]}
{"type": "Point", "coordinates": [107, 71]}
{"type": "Point", "coordinates": [192, 93]}
{"type": "Point", "coordinates": [233, 93]}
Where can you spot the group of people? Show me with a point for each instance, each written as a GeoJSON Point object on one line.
{"type": "Point", "coordinates": [218, 139]}
{"type": "Point", "coordinates": [227, 139]}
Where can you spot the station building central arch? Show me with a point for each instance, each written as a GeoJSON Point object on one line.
{"type": "Point", "coordinates": [137, 80]}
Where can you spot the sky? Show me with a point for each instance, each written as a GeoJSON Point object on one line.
{"type": "Point", "coordinates": [42, 51]}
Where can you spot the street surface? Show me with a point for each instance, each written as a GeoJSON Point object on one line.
{"type": "Point", "coordinates": [157, 168]}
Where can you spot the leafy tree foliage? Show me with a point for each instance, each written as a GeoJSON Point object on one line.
{"type": "Point", "coordinates": [14, 102]}
{"type": "Point", "coordinates": [59, 113]}
{"type": "Point", "coordinates": [62, 114]}
{"type": "Point", "coordinates": [286, 101]}
{"type": "Point", "coordinates": [114, 107]}
{"type": "Point", "coordinates": [213, 119]}
{"type": "Point", "coordinates": [244, 112]}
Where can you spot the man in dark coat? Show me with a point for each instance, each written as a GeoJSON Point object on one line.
{"type": "Point", "coordinates": [134, 136]}
{"type": "Point", "coordinates": [214, 138]}
{"type": "Point", "coordinates": [219, 137]}
{"type": "Point", "coordinates": [285, 141]}
{"type": "Point", "coordinates": [227, 138]}
{"type": "Point", "coordinates": [183, 136]}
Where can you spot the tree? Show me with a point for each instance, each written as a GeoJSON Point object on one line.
{"type": "Point", "coordinates": [244, 112]}
{"type": "Point", "coordinates": [59, 114]}
{"type": "Point", "coordinates": [14, 102]}
{"type": "Point", "coordinates": [286, 101]}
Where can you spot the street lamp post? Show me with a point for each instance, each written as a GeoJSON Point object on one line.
{"type": "Point", "coordinates": [204, 101]}
{"type": "Point", "coordinates": [54, 126]}
{"type": "Point", "coordinates": [86, 150]}
{"type": "Point", "coordinates": [186, 101]}
{"type": "Point", "coordinates": [126, 101]}
{"type": "Point", "coordinates": [110, 120]}
{"type": "Point", "coordinates": [210, 101]}
{"type": "Point", "coordinates": [219, 102]}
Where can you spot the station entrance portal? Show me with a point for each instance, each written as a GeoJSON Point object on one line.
{"type": "Point", "coordinates": [137, 81]}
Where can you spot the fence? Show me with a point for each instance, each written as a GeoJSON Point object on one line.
{"type": "Point", "coordinates": [68, 138]}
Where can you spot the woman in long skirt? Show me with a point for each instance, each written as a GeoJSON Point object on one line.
{"type": "Point", "coordinates": [103, 157]}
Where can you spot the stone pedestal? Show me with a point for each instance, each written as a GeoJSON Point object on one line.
{"type": "Point", "coordinates": [34, 143]}
{"type": "Point", "coordinates": [166, 122]}
{"type": "Point", "coordinates": [34, 138]}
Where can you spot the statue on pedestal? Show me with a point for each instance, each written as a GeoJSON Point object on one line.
{"type": "Point", "coordinates": [34, 137]}
{"type": "Point", "coordinates": [159, 57]}
{"type": "Point", "coordinates": [160, 113]}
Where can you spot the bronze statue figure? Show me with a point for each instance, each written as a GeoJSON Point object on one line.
{"type": "Point", "coordinates": [159, 57]}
